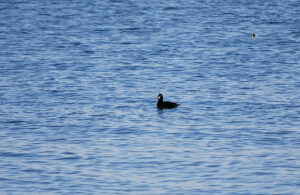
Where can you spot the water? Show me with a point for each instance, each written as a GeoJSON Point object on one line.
{"type": "Point", "coordinates": [78, 87]}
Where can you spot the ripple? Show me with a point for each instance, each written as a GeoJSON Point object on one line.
{"type": "Point", "coordinates": [78, 97]}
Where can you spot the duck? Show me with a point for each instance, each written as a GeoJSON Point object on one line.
{"type": "Point", "coordinates": [162, 105]}
{"type": "Point", "coordinates": [253, 35]}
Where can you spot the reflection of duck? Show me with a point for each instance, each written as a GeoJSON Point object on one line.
{"type": "Point", "coordinates": [253, 35]}
{"type": "Point", "coordinates": [161, 104]}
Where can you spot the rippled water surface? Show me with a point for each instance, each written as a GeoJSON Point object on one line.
{"type": "Point", "coordinates": [78, 88]}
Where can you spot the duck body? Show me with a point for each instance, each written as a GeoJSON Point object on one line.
{"type": "Point", "coordinates": [165, 105]}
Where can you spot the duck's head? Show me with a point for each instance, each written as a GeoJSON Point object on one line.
{"type": "Point", "coordinates": [160, 97]}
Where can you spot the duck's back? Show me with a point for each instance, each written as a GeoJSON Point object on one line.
{"type": "Point", "coordinates": [167, 105]}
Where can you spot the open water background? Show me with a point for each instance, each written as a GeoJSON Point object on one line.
{"type": "Point", "coordinates": [78, 88]}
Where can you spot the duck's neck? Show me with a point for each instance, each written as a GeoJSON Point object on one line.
{"type": "Point", "coordinates": [160, 101]}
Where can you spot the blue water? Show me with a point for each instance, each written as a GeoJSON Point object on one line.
{"type": "Point", "coordinates": [78, 88]}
